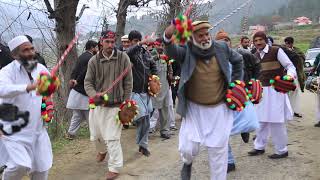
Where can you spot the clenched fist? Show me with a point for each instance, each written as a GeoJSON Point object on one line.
{"type": "Point", "coordinates": [169, 31]}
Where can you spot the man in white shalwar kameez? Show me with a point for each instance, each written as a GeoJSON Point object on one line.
{"type": "Point", "coordinates": [205, 74]}
{"type": "Point", "coordinates": [28, 151]}
{"type": "Point", "coordinates": [274, 110]}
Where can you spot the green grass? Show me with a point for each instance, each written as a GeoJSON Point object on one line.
{"type": "Point", "coordinates": [303, 46]}
{"type": "Point", "coordinates": [60, 142]}
{"type": "Point", "coordinates": [304, 27]}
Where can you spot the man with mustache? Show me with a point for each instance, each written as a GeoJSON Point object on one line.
{"type": "Point", "coordinates": [78, 99]}
{"type": "Point", "coordinates": [205, 73]}
{"type": "Point", "coordinates": [274, 109]}
{"type": "Point", "coordinates": [103, 69]}
{"type": "Point", "coordinates": [28, 151]}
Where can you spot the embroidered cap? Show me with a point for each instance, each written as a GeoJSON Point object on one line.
{"type": "Point", "coordinates": [197, 25]}
{"type": "Point", "coordinates": [108, 35]}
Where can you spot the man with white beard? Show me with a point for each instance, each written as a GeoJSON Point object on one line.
{"type": "Point", "coordinates": [205, 74]}
{"type": "Point", "coordinates": [28, 151]}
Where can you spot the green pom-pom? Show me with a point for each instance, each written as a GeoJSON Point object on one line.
{"type": "Point", "coordinates": [43, 105]}
{"type": "Point", "coordinates": [228, 100]}
{"type": "Point", "coordinates": [232, 84]}
{"type": "Point", "coordinates": [105, 97]}
{"type": "Point", "coordinates": [272, 81]}
{"type": "Point", "coordinates": [233, 106]}
{"type": "Point", "coordinates": [250, 95]}
{"type": "Point", "coordinates": [180, 17]}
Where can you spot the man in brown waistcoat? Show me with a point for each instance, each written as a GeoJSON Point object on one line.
{"type": "Point", "coordinates": [274, 110]}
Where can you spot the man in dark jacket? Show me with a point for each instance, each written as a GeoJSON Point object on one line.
{"type": "Point", "coordinates": [5, 56]}
{"type": "Point", "coordinates": [78, 98]}
{"type": "Point", "coordinates": [143, 67]}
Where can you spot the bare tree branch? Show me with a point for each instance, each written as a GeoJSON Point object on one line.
{"type": "Point", "coordinates": [50, 9]}
{"type": "Point", "coordinates": [81, 12]}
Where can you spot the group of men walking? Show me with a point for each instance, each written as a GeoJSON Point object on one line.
{"type": "Point", "coordinates": [204, 67]}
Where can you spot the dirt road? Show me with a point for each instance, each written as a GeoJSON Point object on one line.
{"type": "Point", "coordinates": [77, 160]}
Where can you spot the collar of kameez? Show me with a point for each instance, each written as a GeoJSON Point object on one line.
{"type": "Point", "coordinates": [265, 50]}
{"type": "Point", "coordinates": [17, 64]}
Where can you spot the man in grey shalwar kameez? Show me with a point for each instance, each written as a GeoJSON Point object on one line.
{"type": "Point", "coordinates": [163, 100]}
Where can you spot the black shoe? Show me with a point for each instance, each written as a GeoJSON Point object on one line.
{"type": "Point", "coordinates": [126, 126]}
{"type": "Point", "coordinates": [279, 156]}
{"type": "Point", "coordinates": [297, 115]}
{"type": "Point", "coordinates": [186, 172]}
{"type": "Point", "coordinates": [256, 152]}
{"type": "Point", "coordinates": [144, 151]}
{"type": "Point", "coordinates": [165, 136]}
{"type": "Point", "coordinates": [231, 167]}
{"type": "Point", "coordinates": [245, 137]}
{"type": "Point", "coordinates": [317, 125]}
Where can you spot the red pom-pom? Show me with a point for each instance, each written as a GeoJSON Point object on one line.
{"type": "Point", "coordinates": [177, 21]}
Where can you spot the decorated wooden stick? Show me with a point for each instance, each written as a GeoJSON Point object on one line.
{"type": "Point", "coordinates": [236, 97]}
{"type": "Point", "coordinates": [255, 91]}
{"type": "Point", "coordinates": [154, 85]}
{"type": "Point", "coordinates": [128, 111]}
{"type": "Point", "coordinates": [283, 84]}
{"type": "Point", "coordinates": [47, 109]}
{"type": "Point", "coordinates": [183, 29]}
{"type": "Point", "coordinates": [48, 84]}
{"type": "Point", "coordinates": [98, 100]}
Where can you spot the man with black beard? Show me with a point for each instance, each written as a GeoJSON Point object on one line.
{"type": "Point", "coordinates": [78, 99]}
{"type": "Point", "coordinates": [245, 43]}
{"type": "Point", "coordinates": [27, 152]}
{"type": "Point", "coordinates": [207, 66]}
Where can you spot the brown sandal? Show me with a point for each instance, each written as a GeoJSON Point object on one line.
{"type": "Point", "coordinates": [111, 175]}
{"type": "Point", "coordinates": [101, 156]}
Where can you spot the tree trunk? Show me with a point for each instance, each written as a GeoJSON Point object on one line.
{"type": "Point", "coordinates": [65, 31]}
{"type": "Point", "coordinates": [121, 19]}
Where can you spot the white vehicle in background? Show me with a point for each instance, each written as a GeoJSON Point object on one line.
{"type": "Point", "coordinates": [311, 55]}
